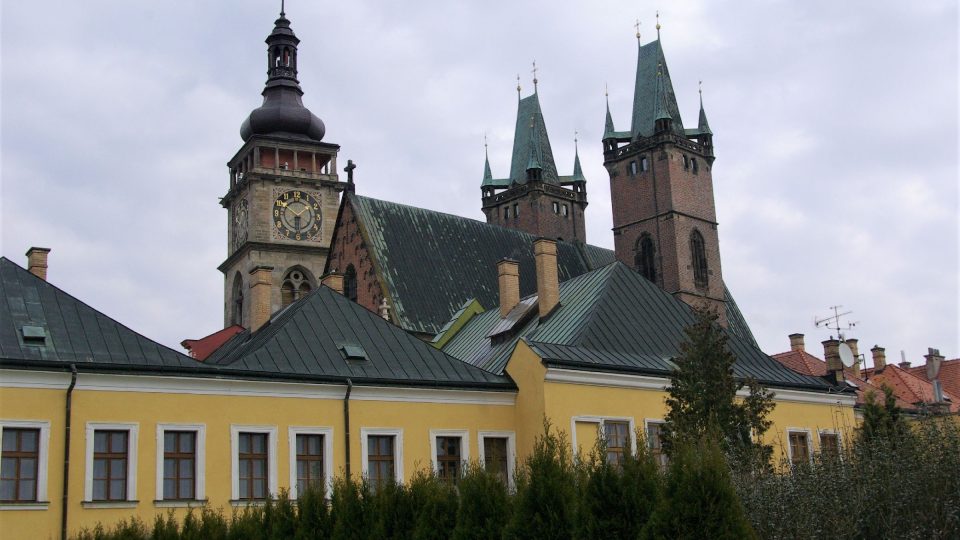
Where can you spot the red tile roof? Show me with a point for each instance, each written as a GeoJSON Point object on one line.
{"type": "Point", "coordinates": [203, 347]}
{"type": "Point", "coordinates": [907, 386]}
{"type": "Point", "coordinates": [949, 375]}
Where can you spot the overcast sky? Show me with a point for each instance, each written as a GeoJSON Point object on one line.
{"type": "Point", "coordinates": [836, 133]}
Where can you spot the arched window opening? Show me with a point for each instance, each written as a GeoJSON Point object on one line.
{"type": "Point", "coordinates": [686, 162]}
{"type": "Point", "coordinates": [236, 312]}
{"type": "Point", "coordinates": [698, 255]}
{"type": "Point", "coordinates": [295, 286]}
{"type": "Point", "coordinates": [644, 164]}
{"type": "Point", "coordinates": [646, 257]}
{"type": "Point", "coordinates": [350, 283]}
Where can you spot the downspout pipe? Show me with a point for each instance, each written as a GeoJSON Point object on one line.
{"type": "Point", "coordinates": [346, 428]}
{"type": "Point", "coordinates": [66, 451]}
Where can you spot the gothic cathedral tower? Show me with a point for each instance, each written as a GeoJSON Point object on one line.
{"type": "Point", "coordinates": [284, 192]}
{"type": "Point", "coordinates": [664, 218]}
{"type": "Point", "coordinates": [534, 198]}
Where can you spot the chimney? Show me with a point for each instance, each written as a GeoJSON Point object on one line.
{"type": "Point", "coordinates": [796, 342]}
{"type": "Point", "coordinates": [261, 281]}
{"type": "Point", "coordinates": [548, 280]}
{"type": "Point", "coordinates": [37, 261]}
{"type": "Point", "coordinates": [934, 361]}
{"type": "Point", "coordinates": [831, 353]}
{"type": "Point", "coordinates": [508, 278]}
{"type": "Point", "coordinates": [903, 360]}
{"type": "Point", "coordinates": [852, 343]}
{"type": "Point", "coordinates": [334, 281]}
{"type": "Point", "coordinates": [879, 357]}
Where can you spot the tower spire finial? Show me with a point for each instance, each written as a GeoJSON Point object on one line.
{"type": "Point", "coordinates": [658, 24]}
{"type": "Point", "coordinates": [576, 150]}
{"type": "Point", "coordinates": [637, 26]}
{"type": "Point", "coordinates": [518, 86]}
{"type": "Point", "coordinates": [700, 91]}
{"type": "Point", "coordinates": [282, 11]}
{"type": "Point", "coordinates": [534, 71]}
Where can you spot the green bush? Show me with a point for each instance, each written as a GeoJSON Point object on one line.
{"type": "Point", "coordinates": [435, 506]}
{"type": "Point", "coordinates": [313, 515]}
{"type": "Point", "coordinates": [347, 507]}
{"type": "Point", "coordinates": [391, 512]}
{"type": "Point", "coordinates": [484, 505]}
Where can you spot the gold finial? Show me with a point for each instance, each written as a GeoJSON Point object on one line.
{"type": "Point", "coordinates": [518, 85]}
{"type": "Point", "coordinates": [637, 26]}
{"type": "Point", "coordinates": [534, 71]}
{"type": "Point", "coordinates": [575, 134]}
{"type": "Point", "coordinates": [484, 141]}
{"type": "Point", "coordinates": [658, 24]}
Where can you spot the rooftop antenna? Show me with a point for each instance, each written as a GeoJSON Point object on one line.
{"type": "Point", "coordinates": [832, 322]}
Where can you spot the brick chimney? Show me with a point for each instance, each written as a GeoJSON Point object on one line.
{"type": "Point", "coordinates": [548, 279]}
{"type": "Point", "coordinates": [508, 279]}
{"type": "Point", "coordinates": [261, 281]}
{"type": "Point", "coordinates": [879, 357]}
{"type": "Point", "coordinates": [934, 361]}
{"type": "Point", "coordinates": [796, 342]}
{"type": "Point", "coordinates": [852, 343]}
{"type": "Point", "coordinates": [37, 261]}
{"type": "Point", "coordinates": [334, 281]}
{"type": "Point", "coordinates": [831, 353]}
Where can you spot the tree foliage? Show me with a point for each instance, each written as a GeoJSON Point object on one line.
{"type": "Point", "coordinates": [702, 398]}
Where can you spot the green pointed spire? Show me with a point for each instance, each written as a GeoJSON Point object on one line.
{"type": "Point", "coordinates": [703, 126]}
{"type": "Point", "coordinates": [577, 170]}
{"type": "Point", "coordinates": [487, 175]}
{"type": "Point", "coordinates": [524, 137]}
{"type": "Point", "coordinates": [653, 96]}
{"type": "Point", "coordinates": [608, 129]}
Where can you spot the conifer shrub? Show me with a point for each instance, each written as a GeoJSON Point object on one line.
{"type": "Point", "coordinates": [210, 525]}
{"type": "Point", "coordinates": [247, 523]}
{"type": "Point", "coordinates": [485, 505]}
{"type": "Point", "coordinates": [699, 498]}
{"type": "Point", "coordinates": [279, 517]}
{"type": "Point", "coordinates": [313, 515]}
{"type": "Point", "coordinates": [391, 512]}
{"type": "Point", "coordinates": [545, 502]}
{"type": "Point", "coordinates": [165, 527]}
{"type": "Point", "coordinates": [348, 509]}
{"type": "Point", "coordinates": [435, 506]}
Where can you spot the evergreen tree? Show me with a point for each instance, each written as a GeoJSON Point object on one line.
{"type": "Point", "coordinates": [699, 499]}
{"type": "Point", "coordinates": [882, 420]}
{"type": "Point", "coordinates": [436, 512]}
{"type": "Point", "coordinates": [313, 516]}
{"type": "Point", "coordinates": [484, 505]}
{"type": "Point", "coordinates": [545, 503]}
{"type": "Point", "coordinates": [347, 507]}
{"type": "Point", "coordinates": [391, 511]}
{"type": "Point", "coordinates": [702, 396]}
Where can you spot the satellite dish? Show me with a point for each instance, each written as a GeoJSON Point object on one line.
{"type": "Point", "coordinates": [846, 355]}
{"type": "Point", "coordinates": [933, 367]}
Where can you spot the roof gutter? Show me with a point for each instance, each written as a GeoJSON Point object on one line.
{"type": "Point", "coordinates": [66, 451]}
{"type": "Point", "coordinates": [346, 428]}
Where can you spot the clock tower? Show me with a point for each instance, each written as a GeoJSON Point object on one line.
{"type": "Point", "coordinates": [284, 192]}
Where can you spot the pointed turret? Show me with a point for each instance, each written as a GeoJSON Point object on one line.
{"type": "Point", "coordinates": [531, 128]}
{"type": "Point", "coordinates": [653, 95]}
{"type": "Point", "coordinates": [703, 126]}
{"type": "Point", "coordinates": [608, 129]}
{"type": "Point", "coordinates": [282, 111]}
{"type": "Point", "coordinates": [487, 175]}
{"type": "Point", "coordinates": [577, 170]}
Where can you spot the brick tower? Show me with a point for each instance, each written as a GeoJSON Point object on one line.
{"type": "Point", "coordinates": [534, 198]}
{"type": "Point", "coordinates": [664, 218]}
{"type": "Point", "coordinates": [283, 197]}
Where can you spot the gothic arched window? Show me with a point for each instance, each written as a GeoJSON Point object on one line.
{"type": "Point", "coordinates": [645, 257]}
{"type": "Point", "coordinates": [350, 283]}
{"type": "Point", "coordinates": [295, 286]}
{"type": "Point", "coordinates": [698, 255]}
{"type": "Point", "coordinates": [236, 310]}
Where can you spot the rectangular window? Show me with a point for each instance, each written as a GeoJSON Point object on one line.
{"type": "Point", "coordinates": [110, 457]}
{"type": "Point", "coordinates": [310, 469]}
{"type": "Point", "coordinates": [506, 212]}
{"type": "Point", "coordinates": [380, 459]}
{"type": "Point", "coordinates": [644, 164]}
{"type": "Point", "coordinates": [19, 471]}
{"type": "Point", "coordinates": [830, 444]}
{"type": "Point", "coordinates": [516, 210]}
{"type": "Point", "coordinates": [564, 210]}
{"type": "Point", "coordinates": [252, 460]}
{"type": "Point", "coordinates": [556, 208]}
{"type": "Point", "coordinates": [799, 447]}
{"type": "Point", "coordinates": [617, 437]}
{"type": "Point", "coordinates": [449, 458]}
{"type": "Point", "coordinates": [633, 168]}
{"type": "Point", "coordinates": [655, 443]}
{"type": "Point", "coordinates": [179, 464]}
{"type": "Point", "coordinates": [495, 457]}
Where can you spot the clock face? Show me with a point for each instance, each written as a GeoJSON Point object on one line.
{"type": "Point", "coordinates": [240, 215]}
{"type": "Point", "coordinates": [296, 215]}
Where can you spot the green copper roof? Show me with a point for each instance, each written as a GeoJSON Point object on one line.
{"type": "Point", "coordinates": [534, 161]}
{"type": "Point", "coordinates": [577, 169]}
{"type": "Point", "coordinates": [612, 319]}
{"type": "Point", "coordinates": [525, 137]}
{"type": "Point", "coordinates": [703, 126]}
{"type": "Point", "coordinates": [608, 129]}
{"type": "Point", "coordinates": [487, 175]}
{"type": "Point", "coordinates": [648, 101]}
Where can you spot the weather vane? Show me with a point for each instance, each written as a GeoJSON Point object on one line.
{"type": "Point", "coordinates": [658, 24]}
{"type": "Point", "coordinates": [534, 71]}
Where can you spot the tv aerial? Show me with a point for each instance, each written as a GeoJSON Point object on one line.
{"type": "Point", "coordinates": [832, 322]}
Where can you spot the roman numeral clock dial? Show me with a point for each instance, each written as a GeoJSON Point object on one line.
{"type": "Point", "coordinates": [296, 215]}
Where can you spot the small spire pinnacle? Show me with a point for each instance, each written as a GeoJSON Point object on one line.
{"type": "Point", "coordinates": [577, 169]}
{"type": "Point", "coordinates": [487, 174]}
{"type": "Point", "coordinates": [534, 71]}
{"type": "Point", "coordinates": [608, 125]}
{"type": "Point", "coordinates": [282, 11]}
{"type": "Point", "coordinates": [658, 25]}
{"type": "Point", "coordinates": [637, 26]}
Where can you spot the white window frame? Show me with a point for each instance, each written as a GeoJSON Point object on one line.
{"type": "Point", "coordinates": [200, 463]}
{"type": "Point", "coordinates": [511, 438]}
{"type": "Point", "coordinates": [133, 442]}
{"type": "Point", "coordinates": [397, 434]}
{"type": "Point", "coordinates": [809, 434]}
{"type": "Point", "coordinates": [43, 453]}
{"type": "Point", "coordinates": [822, 432]}
{"type": "Point", "coordinates": [464, 446]}
{"type": "Point", "coordinates": [600, 420]}
{"type": "Point", "coordinates": [235, 431]}
{"type": "Point", "coordinates": [327, 433]}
